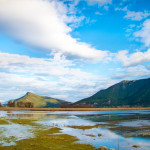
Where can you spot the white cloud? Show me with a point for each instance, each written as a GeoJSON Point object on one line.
{"type": "Point", "coordinates": [132, 15]}
{"type": "Point", "coordinates": [121, 9]}
{"type": "Point", "coordinates": [25, 64]}
{"type": "Point", "coordinates": [144, 33]}
{"type": "Point", "coordinates": [136, 15]}
{"type": "Point", "coordinates": [100, 2]}
{"type": "Point", "coordinates": [134, 58]}
{"type": "Point", "coordinates": [98, 13]}
{"type": "Point", "coordinates": [69, 88]}
{"type": "Point", "coordinates": [43, 23]}
{"type": "Point", "coordinates": [55, 77]}
{"type": "Point", "coordinates": [134, 72]}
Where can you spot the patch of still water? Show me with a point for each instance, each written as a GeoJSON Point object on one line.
{"type": "Point", "coordinates": [14, 132]}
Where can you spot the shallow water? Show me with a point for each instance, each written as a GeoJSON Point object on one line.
{"type": "Point", "coordinates": [116, 138]}
{"type": "Point", "coordinates": [14, 132]}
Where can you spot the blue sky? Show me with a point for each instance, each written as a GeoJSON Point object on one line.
{"type": "Point", "coordinates": [70, 49]}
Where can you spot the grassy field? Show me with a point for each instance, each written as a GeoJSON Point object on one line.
{"type": "Point", "coordinates": [72, 109]}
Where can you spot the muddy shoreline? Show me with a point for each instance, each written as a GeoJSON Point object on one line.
{"type": "Point", "coordinates": [71, 109]}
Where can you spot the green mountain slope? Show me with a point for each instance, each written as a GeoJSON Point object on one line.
{"type": "Point", "coordinates": [41, 101]}
{"type": "Point", "coordinates": [132, 93]}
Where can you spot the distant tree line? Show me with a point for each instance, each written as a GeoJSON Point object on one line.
{"type": "Point", "coordinates": [20, 104]}
{"type": "Point", "coordinates": [1, 105]}
{"type": "Point", "coordinates": [76, 106]}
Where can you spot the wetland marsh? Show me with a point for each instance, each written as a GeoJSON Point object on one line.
{"type": "Point", "coordinates": [121, 130]}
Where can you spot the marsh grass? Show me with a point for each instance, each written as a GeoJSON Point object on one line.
{"type": "Point", "coordinates": [135, 146]}
{"type": "Point", "coordinates": [142, 131]}
{"type": "Point", "coordinates": [129, 128]}
{"type": "Point", "coordinates": [46, 138]}
{"type": "Point", "coordinates": [3, 122]}
{"type": "Point", "coordinates": [24, 122]}
{"type": "Point", "coordinates": [87, 127]}
{"type": "Point", "coordinates": [91, 135]}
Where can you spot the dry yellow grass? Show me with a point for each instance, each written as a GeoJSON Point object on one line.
{"type": "Point", "coordinates": [72, 109]}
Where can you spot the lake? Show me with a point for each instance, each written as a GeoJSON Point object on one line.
{"type": "Point", "coordinates": [121, 130]}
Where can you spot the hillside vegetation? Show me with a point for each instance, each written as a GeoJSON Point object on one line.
{"type": "Point", "coordinates": [124, 93]}
{"type": "Point", "coordinates": [41, 101]}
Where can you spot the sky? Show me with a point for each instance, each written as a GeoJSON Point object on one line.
{"type": "Point", "coordinates": [70, 49]}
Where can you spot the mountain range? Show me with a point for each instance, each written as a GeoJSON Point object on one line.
{"type": "Point", "coordinates": [125, 93]}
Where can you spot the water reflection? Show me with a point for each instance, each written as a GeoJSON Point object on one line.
{"type": "Point", "coordinates": [31, 115]}
{"type": "Point", "coordinates": [136, 123]}
{"type": "Point", "coordinates": [11, 115]}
